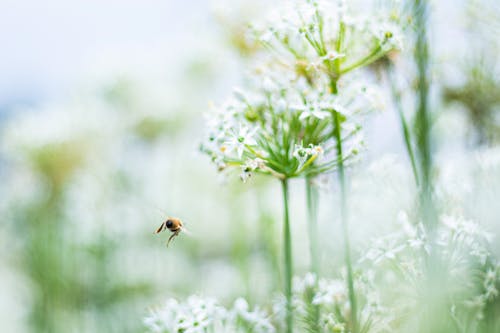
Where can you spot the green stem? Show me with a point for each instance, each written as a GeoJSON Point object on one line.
{"type": "Point", "coordinates": [344, 223]}
{"type": "Point", "coordinates": [435, 295]}
{"type": "Point", "coordinates": [343, 194]}
{"type": "Point", "coordinates": [396, 96]}
{"type": "Point", "coordinates": [308, 162]}
{"type": "Point", "coordinates": [375, 55]}
{"type": "Point", "coordinates": [339, 46]}
{"type": "Point", "coordinates": [312, 216]}
{"type": "Point", "coordinates": [287, 257]}
{"type": "Point", "coordinates": [423, 125]}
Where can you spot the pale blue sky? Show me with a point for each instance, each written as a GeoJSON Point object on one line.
{"type": "Point", "coordinates": [48, 45]}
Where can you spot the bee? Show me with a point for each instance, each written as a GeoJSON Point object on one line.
{"type": "Point", "coordinates": [174, 225]}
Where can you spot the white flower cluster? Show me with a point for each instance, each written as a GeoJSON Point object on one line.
{"type": "Point", "coordinates": [285, 129]}
{"type": "Point", "coordinates": [305, 34]}
{"type": "Point", "coordinates": [253, 321]}
{"type": "Point", "coordinates": [332, 292]}
{"type": "Point", "coordinates": [298, 105]}
{"type": "Point", "coordinates": [200, 315]}
{"type": "Point", "coordinates": [462, 246]}
{"type": "Point", "coordinates": [468, 237]}
{"type": "Point", "coordinates": [330, 297]}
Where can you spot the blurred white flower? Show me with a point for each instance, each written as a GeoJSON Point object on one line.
{"type": "Point", "coordinates": [330, 292]}
{"type": "Point", "coordinates": [258, 320]}
{"type": "Point", "coordinates": [389, 35]}
{"type": "Point", "coordinates": [302, 284]}
{"type": "Point", "coordinates": [313, 110]}
{"type": "Point", "coordinates": [199, 315]}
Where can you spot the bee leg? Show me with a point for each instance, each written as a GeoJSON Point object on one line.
{"type": "Point", "coordinates": [172, 237]}
{"type": "Point", "coordinates": [160, 229]}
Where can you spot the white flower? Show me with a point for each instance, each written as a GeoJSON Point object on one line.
{"type": "Point", "coordinates": [301, 284]}
{"type": "Point", "coordinates": [389, 36]}
{"type": "Point", "coordinates": [256, 319]}
{"type": "Point", "coordinates": [340, 108]}
{"type": "Point", "coordinates": [162, 318]}
{"type": "Point", "coordinates": [240, 305]}
{"type": "Point", "coordinates": [196, 315]}
{"type": "Point", "coordinates": [330, 292]}
{"type": "Point", "coordinates": [249, 166]}
{"type": "Point", "coordinates": [239, 140]}
{"type": "Point", "coordinates": [317, 151]}
{"type": "Point", "coordinates": [313, 110]}
{"type": "Point", "coordinates": [193, 324]}
{"type": "Point", "coordinates": [301, 153]}
{"type": "Point", "coordinates": [310, 280]}
{"type": "Point", "coordinates": [316, 106]}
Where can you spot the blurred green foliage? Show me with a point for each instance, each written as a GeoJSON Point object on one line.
{"type": "Point", "coordinates": [480, 95]}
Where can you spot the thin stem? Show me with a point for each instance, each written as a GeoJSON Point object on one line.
{"type": "Point", "coordinates": [423, 124]}
{"type": "Point", "coordinates": [344, 222]}
{"type": "Point", "coordinates": [306, 164]}
{"type": "Point", "coordinates": [435, 297]}
{"type": "Point", "coordinates": [339, 46]}
{"type": "Point", "coordinates": [396, 96]}
{"type": "Point", "coordinates": [422, 120]}
{"type": "Point", "coordinates": [343, 194]}
{"type": "Point", "coordinates": [375, 55]}
{"type": "Point", "coordinates": [253, 151]}
{"type": "Point", "coordinates": [312, 216]}
{"type": "Point", "coordinates": [273, 172]}
{"type": "Point", "coordinates": [287, 258]}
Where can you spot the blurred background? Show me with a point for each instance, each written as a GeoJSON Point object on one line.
{"type": "Point", "coordinates": [101, 112]}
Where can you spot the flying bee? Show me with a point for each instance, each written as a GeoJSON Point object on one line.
{"type": "Point", "coordinates": [174, 225]}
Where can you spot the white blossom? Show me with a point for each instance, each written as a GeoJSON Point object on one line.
{"type": "Point", "coordinates": [238, 140]}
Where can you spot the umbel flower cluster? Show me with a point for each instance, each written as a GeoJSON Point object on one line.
{"type": "Point", "coordinates": [201, 315]}
{"type": "Point", "coordinates": [297, 107]}
{"type": "Point", "coordinates": [283, 129]}
{"type": "Point", "coordinates": [463, 245]}
{"type": "Point", "coordinates": [322, 305]}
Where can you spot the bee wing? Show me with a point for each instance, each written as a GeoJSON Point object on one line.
{"type": "Point", "coordinates": [186, 231]}
{"type": "Point", "coordinates": [161, 228]}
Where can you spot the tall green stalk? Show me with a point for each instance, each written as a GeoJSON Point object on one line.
{"type": "Point", "coordinates": [422, 118]}
{"type": "Point", "coordinates": [344, 223]}
{"type": "Point", "coordinates": [434, 292]}
{"type": "Point", "coordinates": [337, 132]}
{"type": "Point", "coordinates": [396, 96]}
{"type": "Point", "coordinates": [287, 243]}
{"type": "Point", "coordinates": [312, 217]}
{"type": "Point", "coordinates": [423, 130]}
